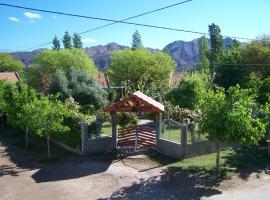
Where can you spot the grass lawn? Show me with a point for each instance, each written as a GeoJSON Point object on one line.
{"type": "Point", "coordinates": [241, 162]}
{"type": "Point", "coordinates": [106, 129]}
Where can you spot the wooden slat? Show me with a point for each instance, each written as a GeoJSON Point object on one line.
{"type": "Point", "coordinates": [146, 141]}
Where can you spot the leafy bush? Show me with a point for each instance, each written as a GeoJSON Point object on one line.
{"type": "Point", "coordinates": [186, 95]}
{"type": "Point", "coordinates": [125, 119]}
{"type": "Point", "coordinates": [80, 86]}
{"type": "Point", "coordinates": [9, 64]}
{"type": "Point", "coordinates": [184, 115]}
{"type": "Point", "coordinates": [49, 61]}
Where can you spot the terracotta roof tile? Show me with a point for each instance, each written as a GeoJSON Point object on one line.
{"type": "Point", "coordinates": [11, 77]}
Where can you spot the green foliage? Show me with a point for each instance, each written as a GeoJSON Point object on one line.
{"type": "Point", "coordinates": [230, 118]}
{"type": "Point", "coordinates": [48, 62]}
{"type": "Point", "coordinates": [216, 43]}
{"type": "Point", "coordinates": [136, 41]}
{"type": "Point", "coordinates": [125, 119]}
{"type": "Point", "coordinates": [264, 91]}
{"type": "Point", "coordinates": [47, 116]}
{"type": "Point", "coordinates": [77, 41]}
{"type": "Point", "coordinates": [56, 43]}
{"type": "Point", "coordinates": [9, 64]}
{"type": "Point", "coordinates": [203, 54]}
{"type": "Point", "coordinates": [255, 53]}
{"type": "Point", "coordinates": [16, 96]}
{"type": "Point", "coordinates": [80, 86]}
{"type": "Point", "coordinates": [184, 115]}
{"type": "Point", "coordinates": [186, 95]}
{"type": "Point", "coordinates": [67, 41]}
{"type": "Point", "coordinates": [140, 67]}
{"type": "Point", "coordinates": [229, 72]}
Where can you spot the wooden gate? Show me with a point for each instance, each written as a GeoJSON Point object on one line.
{"type": "Point", "coordinates": [137, 138]}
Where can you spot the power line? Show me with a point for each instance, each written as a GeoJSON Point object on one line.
{"type": "Point", "coordinates": [118, 21]}
{"type": "Point", "coordinates": [99, 27]}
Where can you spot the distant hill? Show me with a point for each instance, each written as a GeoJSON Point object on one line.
{"type": "Point", "coordinates": [184, 53]}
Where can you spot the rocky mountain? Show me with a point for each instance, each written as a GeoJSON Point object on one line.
{"type": "Point", "coordinates": [184, 53]}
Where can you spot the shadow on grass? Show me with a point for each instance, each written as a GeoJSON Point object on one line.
{"type": "Point", "coordinates": [64, 165]}
{"type": "Point", "coordinates": [248, 160]}
{"type": "Point", "coordinates": [188, 181]}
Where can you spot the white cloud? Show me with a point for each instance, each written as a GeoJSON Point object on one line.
{"type": "Point", "coordinates": [14, 19]}
{"type": "Point", "coordinates": [88, 40]}
{"type": "Point", "coordinates": [54, 16]}
{"type": "Point", "coordinates": [32, 16]}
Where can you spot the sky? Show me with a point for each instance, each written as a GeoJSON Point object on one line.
{"type": "Point", "coordinates": [24, 29]}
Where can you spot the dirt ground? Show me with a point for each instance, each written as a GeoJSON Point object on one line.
{"type": "Point", "coordinates": [22, 177]}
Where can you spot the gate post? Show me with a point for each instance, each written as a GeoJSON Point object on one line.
{"type": "Point", "coordinates": [114, 128]}
{"type": "Point", "coordinates": [184, 139]}
{"type": "Point", "coordinates": [84, 136]}
{"type": "Point", "coordinates": [158, 126]}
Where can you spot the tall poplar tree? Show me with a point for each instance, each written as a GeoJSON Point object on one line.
{"type": "Point", "coordinates": [203, 54]}
{"type": "Point", "coordinates": [216, 50]}
{"type": "Point", "coordinates": [56, 43]}
{"type": "Point", "coordinates": [77, 41]}
{"type": "Point", "coordinates": [67, 41]}
{"type": "Point", "coordinates": [136, 41]}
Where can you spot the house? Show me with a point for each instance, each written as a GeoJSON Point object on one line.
{"type": "Point", "coordinates": [11, 77]}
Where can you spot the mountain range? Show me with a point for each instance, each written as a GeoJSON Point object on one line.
{"type": "Point", "coordinates": [184, 53]}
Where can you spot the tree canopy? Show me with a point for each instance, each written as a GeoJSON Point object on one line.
{"type": "Point", "coordinates": [48, 62]}
{"type": "Point", "coordinates": [80, 86]}
{"type": "Point", "coordinates": [140, 67]}
{"type": "Point", "coordinates": [9, 64]}
{"type": "Point", "coordinates": [136, 41]}
{"type": "Point", "coordinates": [67, 41]}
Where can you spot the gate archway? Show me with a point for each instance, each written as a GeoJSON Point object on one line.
{"type": "Point", "coordinates": [139, 137]}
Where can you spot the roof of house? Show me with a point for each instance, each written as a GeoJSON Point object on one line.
{"type": "Point", "coordinates": [11, 77]}
{"type": "Point", "coordinates": [102, 80]}
{"type": "Point", "coordinates": [136, 102]}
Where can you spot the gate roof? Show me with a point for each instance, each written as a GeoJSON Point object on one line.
{"type": "Point", "coordinates": [136, 102]}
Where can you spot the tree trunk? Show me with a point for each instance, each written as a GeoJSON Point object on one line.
{"type": "Point", "coordinates": [26, 137]}
{"type": "Point", "coordinates": [49, 149]}
{"type": "Point", "coordinates": [218, 157]}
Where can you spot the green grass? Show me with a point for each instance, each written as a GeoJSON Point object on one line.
{"type": "Point", "coordinates": [173, 134]}
{"type": "Point", "coordinates": [106, 129]}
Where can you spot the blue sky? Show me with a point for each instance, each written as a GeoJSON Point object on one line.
{"type": "Point", "coordinates": [22, 29]}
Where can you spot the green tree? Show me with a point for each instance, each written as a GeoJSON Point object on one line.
{"type": "Point", "coordinates": [56, 43]}
{"type": "Point", "coordinates": [229, 118]}
{"type": "Point", "coordinates": [47, 118]}
{"type": "Point", "coordinates": [16, 96]}
{"type": "Point", "coordinates": [140, 67]}
{"type": "Point", "coordinates": [67, 41]}
{"type": "Point", "coordinates": [187, 94]}
{"type": "Point", "coordinates": [48, 62]}
{"type": "Point", "coordinates": [229, 72]}
{"type": "Point", "coordinates": [136, 41]}
{"type": "Point", "coordinates": [80, 86]}
{"type": "Point", "coordinates": [9, 64]}
{"type": "Point", "coordinates": [264, 91]}
{"type": "Point", "coordinates": [203, 54]}
{"type": "Point", "coordinates": [257, 52]}
{"type": "Point", "coordinates": [216, 50]}
{"type": "Point", "coordinates": [77, 41]}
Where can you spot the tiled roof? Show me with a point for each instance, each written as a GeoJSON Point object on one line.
{"type": "Point", "coordinates": [149, 100]}
{"type": "Point", "coordinates": [11, 77]}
